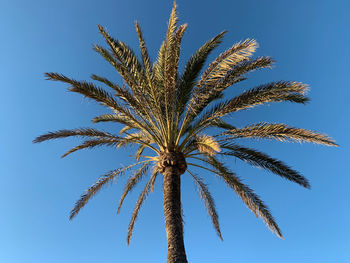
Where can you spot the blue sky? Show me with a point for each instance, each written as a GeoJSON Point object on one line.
{"type": "Point", "coordinates": [308, 39]}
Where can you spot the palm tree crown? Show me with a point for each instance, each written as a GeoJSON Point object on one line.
{"type": "Point", "coordinates": [170, 113]}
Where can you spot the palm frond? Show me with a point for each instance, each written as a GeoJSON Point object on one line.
{"type": "Point", "coordinates": [96, 187]}
{"type": "Point", "coordinates": [144, 52]}
{"type": "Point", "coordinates": [139, 203]}
{"type": "Point", "coordinates": [94, 143]}
{"type": "Point", "coordinates": [131, 183]}
{"type": "Point", "coordinates": [118, 118]}
{"type": "Point", "coordinates": [204, 144]}
{"type": "Point", "coordinates": [247, 195]}
{"type": "Point", "coordinates": [155, 172]}
{"type": "Point", "coordinates": [209, 203]}
{"type": "Point", "coordinates": [214, 80]}
{"type": "Point", "coordinates": [264, 161]}
{"type": "Point", "coordinates": [251, 65]}
{"type": "Point", "coordinates": [192, 70]}
{"type": "Point", "coordinates": [141, 108]}
{"type": "Point", "coordinates": [105, 81]}
{"type": "Point", "coordinates": [208, 88]}
{"type": "Point", "coordinates": [170, 63]}
{"type": "Point", "coordinates": [272, 92]}
{"type": "Point", "coordinates": [124, 73]}
{"type": "Point", "coordinates": [219, 123]}
{"type": "Point", "coordinates": [226, 61]}
{"type": "Point", "coordinates": [209, 118]}
{"type": "Point", "coordinates": [125, 129]}
{"type": "Point", "coordinates": [88, 90]}
{"type": "Point", "coordinates": [132, 69]}
{"type": "Point", "coordinates": [120, 92]}
{"type": "Point", "coordinates": [138, 89]}
{"type": "Point", "coordinates": [235, 75]}
{"type": "Point", "coordinates": [280, 91]}
{"type": "Point", "coordinates": [82, 132]}
{"type": "Point", "coordinates": [137, 137]}
{"type": "Point", "coordinates": [280, 132]}
{"type": "Point", "coordinates": [139, 151]}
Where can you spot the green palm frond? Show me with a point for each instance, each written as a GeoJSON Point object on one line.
{"type": "Point", "coordinates": [116, 64]}
{"type": "Point", "coordinates": [140, 138]}
{"type": "Point", "coordinates": [125, 129]}
{"type": "Point", "coordinates": [192, 70]}
{"type": "Point", "coordinates": [119, 118]}
{"type": "Point", "coordinates": [288, 91]}
{"type": "Point", "coordinates": [225, 62]}
{"type": "Point", "coordinates": [82, 132]}
{"type": "Point", "coordinates": [139, 203]}
{"type": "Point", "coordinates": [154, 173]}
{"type": "Point", "coordinates": [140, 150]}
{"type": "Point", "coordinates": [207, 88]}
{"type": "Point", "coordinates": [131, 69]}
{"type": "Point", "coordinates": [144, 53]}
{"type": "Point", "coordinates": [130, 124]}
{"type": "Point", "coordinates": [122, 93]}
{"type": "Point", "coordinates": [216, 79]}
{"type": "Point", "coordinates": [161, 68]}
{"type": "Point", "coordinates": [169, 58]}
{"type": "Point", "coordinates": [94, 143]}
{"type": "Point", "coordinates": [219, 123]}
{"type": "Point", "coordinates": [132, 181]}
{"type": "Point", "coordinates": [88, 90]}
{"type": "Point", "coordinates": [264, 161]}
{"type": "Point", "coordinates": [247, 195]}
{"type": "Point", "coordinates": [252, 65]}
{"type": "Point", "coordinates": [105, 81]}
{"type": "Point", "coordinates": [272, 92]}
{"type": "Point", "coordinates": [235, 75]}
{"type": "Point", "coordinates": [96, 187]}
{"type": "Point", "coordinates": [141, 108]}
{"type": "Point", "coordinates": [209, 203]}
{"type": "Point", "coordinates": [207, 119]}
{"type": "Point", "coordinates": [280, 132]}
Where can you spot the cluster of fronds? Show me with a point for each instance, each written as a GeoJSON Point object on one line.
{"type": "Point", "coordinates": [163, 110]}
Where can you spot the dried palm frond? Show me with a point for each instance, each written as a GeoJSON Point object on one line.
{"type": "Point", "coordinates": [204, 144]}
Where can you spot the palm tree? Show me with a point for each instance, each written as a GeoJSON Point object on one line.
{"type": "Point", "coordinates": [170, 114]}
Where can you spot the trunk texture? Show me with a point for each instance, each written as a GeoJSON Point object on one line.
{"type": "Point", "coordinates": [173, 214]}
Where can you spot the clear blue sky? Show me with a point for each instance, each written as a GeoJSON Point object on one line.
{"type": "Point", "coordinates": [310, 42]}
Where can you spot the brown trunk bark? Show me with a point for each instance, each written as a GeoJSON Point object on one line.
{"type": "Point", "coordinates": [173, 215]}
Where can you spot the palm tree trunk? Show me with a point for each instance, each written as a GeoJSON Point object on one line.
{"type": "Point", "coordinates": [173, 215]}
